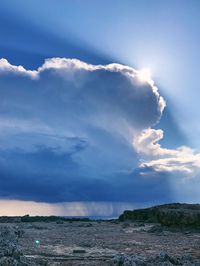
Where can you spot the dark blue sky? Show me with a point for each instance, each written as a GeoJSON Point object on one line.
{"type": "Point", "coordinates": [71, 131]}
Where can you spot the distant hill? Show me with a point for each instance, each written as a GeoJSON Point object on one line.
{"type": "Point", "coordinates": [173, 215]}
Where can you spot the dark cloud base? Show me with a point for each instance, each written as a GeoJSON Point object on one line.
{"type": "Point", "coordinates": [34, 176]}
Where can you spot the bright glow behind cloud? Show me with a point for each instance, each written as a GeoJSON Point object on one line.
{"type": "Point", "coordinates": [144, 75]}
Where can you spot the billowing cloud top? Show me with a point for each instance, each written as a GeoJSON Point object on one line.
{"type": "Point", "coordinates": [72, 131]}
{"type": "Point", "coordinates": [112, 87]}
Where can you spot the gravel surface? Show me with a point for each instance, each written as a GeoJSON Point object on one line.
{"type": "Point", "coordinates": [96, 243]}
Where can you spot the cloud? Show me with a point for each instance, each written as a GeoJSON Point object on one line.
{"type": "Point", "coordinates": [6, 67]}
{"type": "Point", "coordinates": [182, 159]}
{"type": "Point", "coordinates": [72, 131]}
{"type": "Point", "coordinates": [69, 94]}
{"type": "Point", "coordinates": [53, 175]}
{"type": "Point", "coordinates": [66, 130]}
{"type": "Point", "coordinates": [79, 77]}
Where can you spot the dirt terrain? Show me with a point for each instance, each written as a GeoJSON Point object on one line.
{"type": "Point", "coordinates": [102, 243]}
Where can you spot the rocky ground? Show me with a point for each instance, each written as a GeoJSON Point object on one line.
{"type": "Point", "coordinates": [96, 243]}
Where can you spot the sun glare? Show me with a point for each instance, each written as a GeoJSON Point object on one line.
{"type": "Point", "coordinates": [144, 75]}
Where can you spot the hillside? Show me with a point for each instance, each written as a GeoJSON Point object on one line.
{"type": "Point", "coordinates": [174, 214]}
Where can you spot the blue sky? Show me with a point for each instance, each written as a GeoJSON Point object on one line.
{"type": "Point", "coordinates": [74, 132]}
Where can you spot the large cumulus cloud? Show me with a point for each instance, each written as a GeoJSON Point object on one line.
{"type": "Point", "coordinates": [71, 131]}
{"type": "Point", "coordinates": [66, 130]}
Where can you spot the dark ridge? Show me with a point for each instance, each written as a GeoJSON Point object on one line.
{"type": "Point", "coordinates": [30, 219]}
{"type": "Point", "coordinates": [172, 215]}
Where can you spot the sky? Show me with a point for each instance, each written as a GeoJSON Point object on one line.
{"type": "Point", "coordinates": [85, 129]}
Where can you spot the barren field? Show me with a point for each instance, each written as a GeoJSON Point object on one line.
{"type": "Point", "coordinates": [104, 243]}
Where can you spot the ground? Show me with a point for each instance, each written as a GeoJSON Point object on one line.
{"type": "Point", "coordinates": [98, 243]}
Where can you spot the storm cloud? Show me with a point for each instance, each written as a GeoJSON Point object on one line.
{"type": "Point", "coordinates": [66, 130]}
{"type": "Point", "coordinates": [76, 132]}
